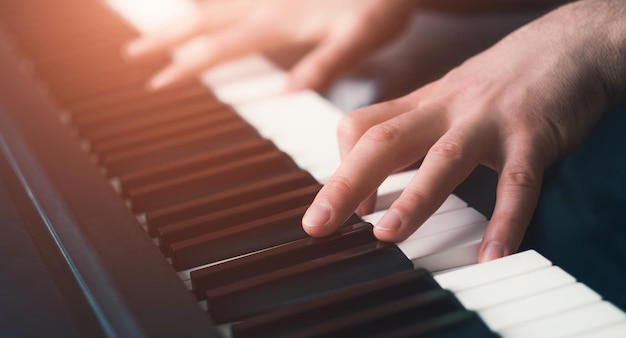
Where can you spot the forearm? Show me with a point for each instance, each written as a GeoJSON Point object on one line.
{"type": "Point", "coordinates": [601, 21]}
{"type": "Point", "coordinates": [597, 29]}
{"type": "Point", "coordinates": [611, 20]}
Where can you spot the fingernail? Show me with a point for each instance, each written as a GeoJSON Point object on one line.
{"type": "Point", "coordinates": [390, 221]}
{"type": "Point", "coordinates": [493, 250]}
{"type": "Point", "coordinates": [161, 80]}
{"type": "Point", "coordinates": [135, 48]}
{"type": "Point", "coordinates": [317, 215]}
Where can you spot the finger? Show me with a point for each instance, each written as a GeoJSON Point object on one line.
{"type": "Point", "coordinates": [204, 52]}
{"type": "Point", "coordinates": [518, 191]}
{"type": "Point", "coordinates": [448, 163]}
{"type": "Point", "coordinates": [367, 206]}
{"type": "Point", "coordinates": [167, 37]}
{"type": "Point", "coordinates": [381, 150]}
{"type": "Point", "coordinates": [354, 124]}
{"type": "Point", "coordinates": [328, 60]}
{"type": "Point", "coordinates": [347, 45]}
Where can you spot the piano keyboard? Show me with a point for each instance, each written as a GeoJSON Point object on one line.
{"type": "Point", "coordinates": [209, 174]}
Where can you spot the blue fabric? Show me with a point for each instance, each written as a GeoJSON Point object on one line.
{"type": "Point", "coordinates": [580, 222]}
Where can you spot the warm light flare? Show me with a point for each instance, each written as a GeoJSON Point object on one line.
{"type": "Point", "coordinates": [147, 15]}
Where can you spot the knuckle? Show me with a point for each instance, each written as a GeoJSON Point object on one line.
{"type": "Point", "coordinates": [411, 199]}
{"type": "Point", "coordinates": [350, 127]}
{"type": "Point", "coordinates": [339, 185]}
{"type": "Point", "coordinates": [382, 133]}
{"type": "Point", "coordinates": [522, 179]}
{"type": "Point", "coordinates": [452, 151]}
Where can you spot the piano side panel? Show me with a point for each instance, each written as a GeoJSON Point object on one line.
{"type": "Point", "coordinates": [130, 288]}
{"type": "Point", "coordinates": [35, 287]}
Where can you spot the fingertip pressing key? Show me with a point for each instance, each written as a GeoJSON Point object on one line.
{"type": "Point", "coordinates": [391, 221]}
{"type": "Point", "coordinates": [388, 228]}
{"type": "Point", "coordinates": [316, 218]}
{"type": "Point", "coordinates": [492, 250]}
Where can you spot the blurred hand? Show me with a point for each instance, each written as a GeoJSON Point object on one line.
{"type": "Point", "coordinates": [343, 30]}
{"type": "Point", "coordinates": [516, 108]}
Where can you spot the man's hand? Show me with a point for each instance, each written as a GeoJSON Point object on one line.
{"type": "Point", "coordinates": [516, 108]}
{"type": "Point", "coordinates": [343, 31]}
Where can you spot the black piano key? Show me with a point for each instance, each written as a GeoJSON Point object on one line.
{"type": "Point", "coordinates": [69, 80]}
{"type": "Point", "coordinates": [93, 51]}
{"type": "Point", "coordinates": [28, 40]}
{"type": "Point", "coordinates": [97, 73]}
{"type": "Point", "coordinates": [238, 240]}
{"type": "Point", "coordinates": [185, 166]}
{"type": "Point", "coordinates": [177, 148]}
{"type": "Point", "coordinates": [87, 51]}
{"type": "Point", "coordinates": [311, 279]}
{"type": "Point", "coordinates": [67, 77]}
{"type": "Point", "coordinates": [290, 320]}
{"type": "Point", "coordinates": [39, 45]}
{"type": "Point", "coordinates": [148, 136]}
{"type": "Point", "coordinates": [227, 198]}
{"type": "Point", "coordinates": [157, 119]}
{"type": "Point", "coordinates": [452, 325]}
{"type": "Point", "coordinates": [423, 308]}
{"type": "Point", "coordinates": [79, 89]}
{"type": "Point", "coordinates": [38, 17]}
{"type": "Point", "coordinates": [277, 258]}
{"type": "Point", "coordinates": [235, 216]}
{"type": "Point", "coordinates": [121, 98]}
{"type": "Point", "coordinates": [211, 180]}
{"type": "Point", "coordinates": [242, 239]}
{"type": "Point", "coordinates": [65, 30]}
{"type": "Point", "coordinates": [144, 106]}
{"type": "Point", "coordinates": [80, 93]}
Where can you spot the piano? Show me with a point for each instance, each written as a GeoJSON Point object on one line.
{"type": "Point", "coordinates": [176, 214]}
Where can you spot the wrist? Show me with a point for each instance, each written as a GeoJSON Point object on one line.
{"type": "Point", "coordinates": [617, 47]}
{"type": "Point", "coordinates": [610, 32]}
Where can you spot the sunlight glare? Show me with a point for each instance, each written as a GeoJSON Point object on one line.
{"type": "Point", "coordinates": [146, 15]}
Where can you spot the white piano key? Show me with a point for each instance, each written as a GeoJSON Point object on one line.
{"type": "Point", "coordinates": [253, 89]}
{"type": "Point", "coordinates": [350, 93]}
{"type": "Point", "coordinates": [516, 287]}
{"type": "Point", "coordinates": [427, 251]}
{"type": "Point", "coordinates": [446, 221]}
{"type": "Point", "coordinates": [446, 240]}
{"type": "Point", "coordinates": [451, 203]}
{"type": "Point", "coordinates": [246, 79]}
{"type": "Point", "coordinates": [456, 257]}
{"type": "Point", "coordinates": [617, 330]}
{"type": "Point", "coordinates": [232, 72]}
{"type": "Point", "coordinates": [242, 80]}
{"type": "Point", "coordinates": [391, 188]}
{"type": "Point", "coordinates": [479, 274]}
{"type": "Point", "coordinates": [301, 124]}
{"type": "Point", "coordinates": [538, 306]}
{"type": "Point", "coordinates": [576, 321]}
